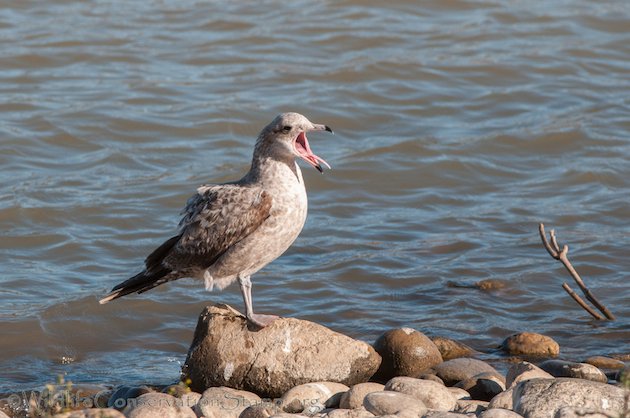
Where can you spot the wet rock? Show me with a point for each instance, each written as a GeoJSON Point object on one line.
{"type": "Point", "coordinates": [530, 343]}
{"type": "Point", "coordinates": [453, 371]}
{"type": "Point", "coordinates": [499, 413]}
{"type": "Point", "coordinates": [562, 368]}
{"type": "Point", "coordinates": [483, 386]}
{"type": "Point", "coordinates": [388, 402]}
{"type": "Point", "coordinates": [602, 362]}
{"type": "Point", "coordinates": [524, 371]}
{"type": "Point", "coordinates": [270, 361]}
{"type": "Point", "coordinates": [163, 405]}
{"type": "Point", "coordinates": [433, 395]}
{"type": "Point", "coordinates": [86, 413]}
{"type": "Point", "coordinates": [124, 394]}
{"type": "Point", "coordinates": [405, 352]}
{"type": "Point", "coordinates": [450, 349]}
{"type": "Point", "coordinates": [353, 398]}
{"type": "Point", "coordinates": [542, 398]}
{"type": "Point", "coordinates": [503, 400]}
{"type": "Point", "coordinates": [223, 402]}
{"type": "Point", "coordinates": [313, 397]}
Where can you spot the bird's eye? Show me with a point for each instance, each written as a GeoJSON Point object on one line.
{"type": "Point", "coordinates": [286, 129]}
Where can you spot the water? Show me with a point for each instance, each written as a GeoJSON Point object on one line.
{"type": "Point", "coordinates": [459, 126]}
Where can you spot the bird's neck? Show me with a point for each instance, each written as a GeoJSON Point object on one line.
{"type": "Point", "coordinates": [271, 169]}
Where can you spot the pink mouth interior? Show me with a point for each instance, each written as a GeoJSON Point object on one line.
{"type": "Point", "coordinates": [304, 151]}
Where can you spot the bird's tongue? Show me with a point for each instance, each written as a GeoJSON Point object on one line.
{"type": "Point", "coordinates": [304, 151]}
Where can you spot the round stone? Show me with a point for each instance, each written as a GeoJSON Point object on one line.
{"type": "Point", "coordinates": [531, 344]}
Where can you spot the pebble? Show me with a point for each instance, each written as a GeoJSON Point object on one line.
{"type": "Point", "coordinates": [603, 362]}
{"type": "Point", "coordinates": [123, 395]}
{"type": "Point", "coordinates": [499, 413]}
{"type": "Point", "coordinates": [432, 394]}
{"type": "Point", "coordinates": [389, 402]}
{"type": "Point", "coordinates": [224, 402]}
{"type": "Point", "coordinates": [453, 371]}
{"type": "Point", "coordinates": [531, 344]}
{"type": "Point", "coordinates": [353, 398]}
{"type": "Point", "coordinates": [465, 406]}
{"type": "Point", "coordinates": [313, 397]}
{"type": "Point", "coordinates": [163, 405]}
{"type": "Point", "coordinates": [405, 352]}
{"type": "Point", "coordinates": [562, 368]}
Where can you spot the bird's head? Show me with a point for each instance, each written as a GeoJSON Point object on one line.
{"type": "Point", "coordinates": [286, 135]}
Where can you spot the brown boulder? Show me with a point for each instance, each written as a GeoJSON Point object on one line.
{"type": "Point", "coordinates": [405, 352]}
{"type": "Point", "coordinates": [270, 361]}
{"type": "Point", "coordinates": [531, 344]}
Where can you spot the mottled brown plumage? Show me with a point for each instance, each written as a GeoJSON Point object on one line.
{"type": "Point", "coordinates": [230, 231]}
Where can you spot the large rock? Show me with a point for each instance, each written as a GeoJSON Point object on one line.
{"type": "Point", "coordinates": [561, 368]}
{"type": "Point", "coordinates": [603, 362]}
{"type": "Point", "coordinates": [452, 371]}
{"type": "Point", "coordinates": [524, 371]}
{"type": "Point", "coordinates": [434, 395]}
{"type": "Point", "coordinates": [289, 352]}
{"type": "Point", "coordinates": [543, 398]}
{"type": "Point", "coordinates": [530, 343]}
{"type": "Point", "coordinates": [405, 352]}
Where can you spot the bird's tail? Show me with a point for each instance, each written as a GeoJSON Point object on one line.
{"type": "Point", "coordinates": [139, 283]}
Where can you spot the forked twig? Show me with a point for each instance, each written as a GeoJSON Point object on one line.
{"type": "Point", "coordinates": [561, 254]}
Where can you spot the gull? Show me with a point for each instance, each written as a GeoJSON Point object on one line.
{"type": "Point", "coordinates": [230, 231]}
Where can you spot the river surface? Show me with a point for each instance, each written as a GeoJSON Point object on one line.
{"type": "Point", "coordinates": [459, 126]}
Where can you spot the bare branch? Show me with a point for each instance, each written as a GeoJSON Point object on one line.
{"type": "Point", "coordinates": [581, 302]}
{"type": "Point", "coordinates": [554, 250]}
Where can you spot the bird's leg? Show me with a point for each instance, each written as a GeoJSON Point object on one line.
{"type": "Point", "coordinates": [258, 319]}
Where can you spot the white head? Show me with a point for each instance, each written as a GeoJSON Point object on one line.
{"type": "Point", "coordinates": [285, 137]}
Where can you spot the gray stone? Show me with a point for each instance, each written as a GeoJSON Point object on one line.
{"type": "Point", "coordinates": [313, 397]}
{"type": "Point", "coordinates": [542, 398]}
{"type": "Point", "coordinates": [503, 400]}
{"type": "Point", "coordinates": [572, 412]}
{"type": "Point", "coordinates": [389, 402]}
{"type": "Point", "coordinates": [85, 413]}
{"type": "Point", "coordinates": [531, 344]}
{"type": "Point", "coordinates": [562, 368]}
{"type": "Point", "coordinates": [450, 349]}
{"type": "Point", "coordinates": [223, 402]}
{"type": "Point", "coordinates": [163, 405]}
{"type": "Point", "coordinates": [465, 406]}
{"type": "Point", "coordinates": [453, 371]}
{"type": "Point", "coordinates": [289, 352]}
{"type": "Point", "coordinates": [263, 410]}
{"type": "Point", "coordinates": [445, 414]}
{"type": "Point", "coordinates": [483, 386]}
{"type": "Point", "coordinates": [499, 413]}
{"type": "Point", "coordinates": [432, 394]}
{"type": "Point", "coordinates": [524, 371]}
{"type": "Point", "coordinates": [353, 398]}
{"type": "Point", "coordinates": [459, 393]}
{"type": "Point", "coordinates": [430, 376]}
{"type": "Point", "coordinates": [405, 352]}
{"type": "Point", "coordinates": [349, 413]}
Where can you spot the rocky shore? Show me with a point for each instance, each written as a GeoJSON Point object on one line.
{"type": "Point", "coordinates": [297, 368]}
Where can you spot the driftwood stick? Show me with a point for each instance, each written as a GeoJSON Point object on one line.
{"type": "Point", "coordinates": [554, 250]}
{"type": "Point", "coordinates": [581, 302]}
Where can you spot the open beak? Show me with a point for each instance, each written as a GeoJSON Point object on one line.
{"type": "Point", "coordinates": [303, 150]}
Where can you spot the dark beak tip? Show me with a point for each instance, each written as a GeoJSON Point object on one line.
{"type": "Point", "coordinates": [329, 129]}
{"type": "Point", "coordinates": [319, 168]}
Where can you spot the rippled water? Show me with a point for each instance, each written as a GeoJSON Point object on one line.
{"type": "Point", "coordinates": [459, 126]}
